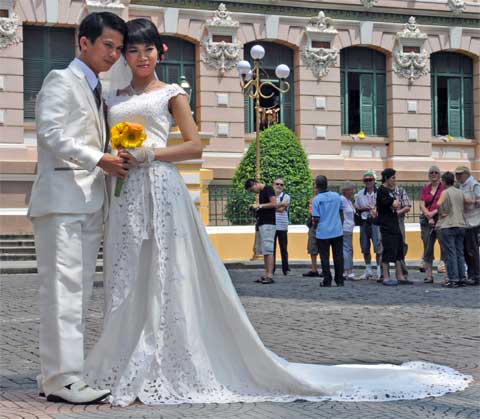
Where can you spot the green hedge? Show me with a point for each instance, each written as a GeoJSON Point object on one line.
{"type": "Point", "coordinates": [281, 154]}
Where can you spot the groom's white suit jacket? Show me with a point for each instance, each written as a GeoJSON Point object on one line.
{"type": "Point", "coordinates": [71, 140]}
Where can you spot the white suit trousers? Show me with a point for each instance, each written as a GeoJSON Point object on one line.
{"type": "Point", "coordinates": [67, 247]}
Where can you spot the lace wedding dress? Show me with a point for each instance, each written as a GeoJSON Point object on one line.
{"type": "Point", "coordinates": [175, 330]}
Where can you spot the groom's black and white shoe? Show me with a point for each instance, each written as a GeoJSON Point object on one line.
{"type": "Point", "coordinates": [78, 393]}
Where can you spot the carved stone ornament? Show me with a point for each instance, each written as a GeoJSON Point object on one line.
{"type": "Point", "coordinates": [319, 60]}
{"type": "Point", "coordinates": [368, 3]}
{"type": "Point", "coordinates": [411, 64]}
{"type": "Point", "coordinates": [113, 6]}
{"type": "Point", "coordinates": [456, 6]}
{"type": "Point", "coordinates": [222, 18]}
{"type": "Point", "coordinates": [8, 31]}
{"type": "Point", "coordinates": [221, 55]}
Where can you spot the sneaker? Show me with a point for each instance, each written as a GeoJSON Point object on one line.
{"type": "Point", "coordinates": [311, 274]}
{"type": "Point", "coordinates": [428, 280]}
{"type": "Point", "coordinates": [441, 269]}
{"type": "Point", "coordinates": [405, 282]}
{"type": "Point", "coordinates": [450, 284]}
{"type": "Point", "coordinates": [366, 275]}
{"type": "Point", "coordinates": [379, 271]}
{"type": "Point", "coordinates": [472, 283]}
{"type": "Point", "coordinates": [351, 277]}
{"type": "Point", "coordinates": [390, 282]}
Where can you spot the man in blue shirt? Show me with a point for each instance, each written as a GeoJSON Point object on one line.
{"type": "Point", "coordinates": [327, 213]}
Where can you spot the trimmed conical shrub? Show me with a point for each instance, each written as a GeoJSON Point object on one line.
{"type": "Point", "coordinates": [281, 155]}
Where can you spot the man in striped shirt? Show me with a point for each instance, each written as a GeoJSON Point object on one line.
{"type": "Point", "coordinates": [281, 220]}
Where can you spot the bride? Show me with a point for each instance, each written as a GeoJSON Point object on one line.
{"type": "Point", "coordinates": [174, 328]}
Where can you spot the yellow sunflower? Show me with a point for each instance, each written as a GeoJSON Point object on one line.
{"type": "Point", "coordinates": [127, 135]}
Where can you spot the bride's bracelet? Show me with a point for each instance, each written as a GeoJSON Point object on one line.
{"type": "Point", "coordinates": [149, 156]}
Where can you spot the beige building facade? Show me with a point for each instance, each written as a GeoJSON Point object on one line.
{"type": "Point", "coordinates": [373, 83]}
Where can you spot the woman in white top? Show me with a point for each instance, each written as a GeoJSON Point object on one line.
{"type": "Point", "coordinates": [348, 189]}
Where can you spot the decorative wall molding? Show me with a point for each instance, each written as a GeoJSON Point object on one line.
{"type": "Point", "coordinates": [456, 6]}
{"type": "Point", "coordinates": [368, 4]}
{"type": "Point", "coordinates": [409, 56]}
{"type": "Point", "coordinates": [113, 6]}
{"type": "Point", "coordinates": [319, 60]}
{"type": "Point", "coordinates": [221, 55]}
{"type": "Point", "coordinates": [8, 30]}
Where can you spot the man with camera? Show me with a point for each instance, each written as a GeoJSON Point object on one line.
{"type": "Point", "coordinates": [265, 225]}
{"type": "Point", "coordinates": [366, 205]}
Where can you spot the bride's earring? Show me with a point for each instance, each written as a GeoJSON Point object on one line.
{"type": "Point", "coordinates": [124, 62]}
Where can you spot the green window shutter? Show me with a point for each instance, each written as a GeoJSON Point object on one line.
{"type": "Point", "coordinates": [286, 112]}
{"type": "Point", "coordinates": [381, 105]}
{"type": "Point", "coordinates": [343, 102]}
{"type": "Point", "coordinates": [468, 108]}
{"type": "Point", "coordinates": [44, 49]}
{"type": "Point", "coordinates": [179, 61]}
{"type": "Point", "coordinates": [454, 90]}
{"type": "Point", "coordinates": [366, 104]}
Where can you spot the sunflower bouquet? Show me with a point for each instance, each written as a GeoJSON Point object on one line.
{"type": "Point", "coordinates": [129, 136]}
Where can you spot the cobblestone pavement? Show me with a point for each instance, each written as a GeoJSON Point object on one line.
{"type": "Point", "coordinates": [364, 322]}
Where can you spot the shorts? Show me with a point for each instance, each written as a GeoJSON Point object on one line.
{"type": "Point", "coordinates": [370, 231]}
{"type": "Point", "coordinates": [393, 247]}
{"type": "Point", "coordinates": [265, 239]}
{"type": "Point", "coordinates": [312, 248]}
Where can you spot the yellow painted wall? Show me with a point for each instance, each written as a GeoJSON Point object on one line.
{"type": "Point", "coordinates": [238, 246]}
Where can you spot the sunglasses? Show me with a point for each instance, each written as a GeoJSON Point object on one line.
{"type": "Point", "coordinates": [433, 173]}
{"type": "Point", "coordinates": [368, 179]}
{"type": "Point", "coordinates": [278, 184]}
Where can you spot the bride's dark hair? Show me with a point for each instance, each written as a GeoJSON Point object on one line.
{"type": "Point", "coordinates": [143, 31]}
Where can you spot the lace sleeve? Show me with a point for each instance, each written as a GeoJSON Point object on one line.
{"type": "Point", "coordinates": [173, 91]}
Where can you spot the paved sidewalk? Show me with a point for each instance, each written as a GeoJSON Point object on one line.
{"type": "Point", "coordinates": [364, 322]}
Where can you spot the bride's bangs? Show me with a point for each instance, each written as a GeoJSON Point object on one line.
{"type": "Point", "coordinates": [142, 31]}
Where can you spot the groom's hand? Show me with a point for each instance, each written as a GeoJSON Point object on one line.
{"type": "Point", "coordinates": [113, 166]}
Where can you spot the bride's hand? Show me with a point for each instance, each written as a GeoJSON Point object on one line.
{"type": "Point", "coordinates": [138, 156]}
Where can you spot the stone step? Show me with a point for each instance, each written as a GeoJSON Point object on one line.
{"type": "Point", "coordinates": [23, 257]}
{"type": "Point", "coordinates": [22, 250]}
{"type": "Point", "coordinates": [17, 242]}
{"type": "Point", "coordinates": [28, 267]}
{"type": "Point", "coordinates": [16, 237]}
{"type": "Point", "coordinates": [17, 250]}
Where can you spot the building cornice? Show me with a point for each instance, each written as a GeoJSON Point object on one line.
{"type": "Point", "coordinates": [335, 11]}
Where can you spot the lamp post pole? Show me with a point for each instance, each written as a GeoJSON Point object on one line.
{"type": "Point", "coordinates": [252, 87]}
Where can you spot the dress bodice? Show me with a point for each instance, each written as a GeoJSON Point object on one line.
{"type": "Point", "coordinates": [149, 109]}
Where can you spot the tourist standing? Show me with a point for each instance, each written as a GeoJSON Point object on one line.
{"type": "Point", "coordinates": [281, 221]}
{"type": "Point", "coordinates": [348, 190]}
{"type": "Point", "coordinates": [365, 203]}
{"type": "Point", "coordinates": [429, 215]}
{"type": "Point", "coordinates": [471, 189]}
{"type": "Point", "coordinates": [393, 247]}
{"type": "Point", "coordinates": [327, 213]}
{"type": "Point", "coordinates": [451, 230]}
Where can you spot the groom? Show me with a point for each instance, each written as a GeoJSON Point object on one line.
{"type": "Point", "coordinates": [68, 204]}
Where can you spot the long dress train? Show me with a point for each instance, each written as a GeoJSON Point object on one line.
{"type": "Point", "coordinates": [175, 330]}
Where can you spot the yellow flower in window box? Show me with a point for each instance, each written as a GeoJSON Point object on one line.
{"type": "Point", "coordinates": [129, 136]}
{"type": "Point", "coordinates": [361, 135]}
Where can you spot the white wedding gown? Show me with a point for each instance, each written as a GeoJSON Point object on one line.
{"type": "Point", "coordinates": [175, 330]}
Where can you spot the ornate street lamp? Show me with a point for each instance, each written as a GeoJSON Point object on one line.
{"type": "Point", "coordinates": [252, 87]}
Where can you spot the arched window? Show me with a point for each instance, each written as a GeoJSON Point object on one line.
{"type": "Point", "coordinates": [179, 61]}
{"type": "Point", "coordinates": [275, 54]}
{"type": "Point", "coordinates": [363, 91]}
{"type": "Point", "coordinates": [452, 94]}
